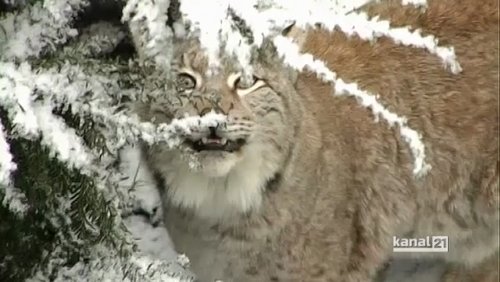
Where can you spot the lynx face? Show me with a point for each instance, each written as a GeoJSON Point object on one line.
{"type": "Point", "coordinates": [255, 109]}
{"type": "Point", "coordinates": [220, 171]}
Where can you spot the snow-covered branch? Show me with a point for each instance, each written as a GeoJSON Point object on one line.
{"type": "Point", "coordinates": [105, 264]}
{"type": "Point", "coordinates": [340, 14]}
{"type": "Point", "coordinates": [32, 119]}
{"type": "Point", "coordinates": [7, 166]}
{"type": "Point", "coordinates": [14, 199]}
{"type": "Point", "coordinates": [38, 27]}
{"type": "Point", "coordinates": [86, 94]}
{"type": "Point", "coordinates": [290, 52]}
{"type": "Point", "coordinates": [369, 29]}
{"type": "Point", "coordinates": [152, 37]}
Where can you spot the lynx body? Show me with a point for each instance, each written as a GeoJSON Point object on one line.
{"type": "Point", "coordinates": [302, 185]}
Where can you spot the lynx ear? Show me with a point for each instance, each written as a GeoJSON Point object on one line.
{"type": "Point", "coordinates": [297, 34]}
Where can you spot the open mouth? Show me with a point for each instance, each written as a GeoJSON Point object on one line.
{"type": "Point", "coordinates": [215, 143]}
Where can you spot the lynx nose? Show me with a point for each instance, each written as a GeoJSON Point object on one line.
{"type": "Point", "coordinates": [213, 131]}
{"type": "Point", "coordinates": [207, 109]}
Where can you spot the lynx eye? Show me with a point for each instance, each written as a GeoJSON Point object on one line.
{"type": "Point", "coordinates": [244, 86]}
{"type": "Point", "coordinates": [185, 82]}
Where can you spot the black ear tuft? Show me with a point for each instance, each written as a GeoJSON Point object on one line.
{"type": "Point", "coordinates": [287, 29]}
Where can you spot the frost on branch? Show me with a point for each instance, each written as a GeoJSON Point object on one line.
{"type": "Point", "coordinates": [358, 23]}
{"type": "Point", "coordinates": [104, 264]}
{"type": "Point", "coordinates": [63, 123]}
{"type": "Point", "coordinates": [421, 3]}
{"type": "Point", "coordinates": [293, 57]}
{"type": "Point", "coordinates": [13, 198]}
{"type": "Point", "coordinates": [152, 38]}
{"type": "Point", "coordinates": [38, 28]}
{"type": "Point", "coordinates": [6, 164]}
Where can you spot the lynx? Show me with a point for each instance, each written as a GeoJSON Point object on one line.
{"type": "Point", "coordinates": [302, 185]}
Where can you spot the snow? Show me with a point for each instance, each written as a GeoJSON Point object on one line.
{"type": "Point", "coordinates": [421, 3]}
{"type": "Point", "coordinates": [106, 265]}
{"type": "Point", "coordinates": [408, 270]}
{"type": "Point", "coordinates": [16, 96]}
{"type": "Point", "coordinates": [7, 166]}
{"type": "Point", "coordinates": [68, 85]}
{"type": "Point", "coordinates": [369, 29]}
{"type": "Point", "coordinates": [13, 197]}
{"type": "Point", "coordinates": [65, 143]}
{"type": "Point", "coordinates": [300, 61]}
{"type": "Point", "coordinates": [146, 20]}
{"type": "Point", "coordinates": [153, 240]}
{"type": "Point", "coordinates": [38, 28]}
{"type": "Point", "coordinates": [139, 178]}
{"type": "Point", "coordinates": [146, 224]}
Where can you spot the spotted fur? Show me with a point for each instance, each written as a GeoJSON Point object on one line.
{"type": "Point", "coordinates": [320, 188]}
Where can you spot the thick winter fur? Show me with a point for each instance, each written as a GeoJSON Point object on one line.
{"type": "Point", "coordinates": [320, 188]}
